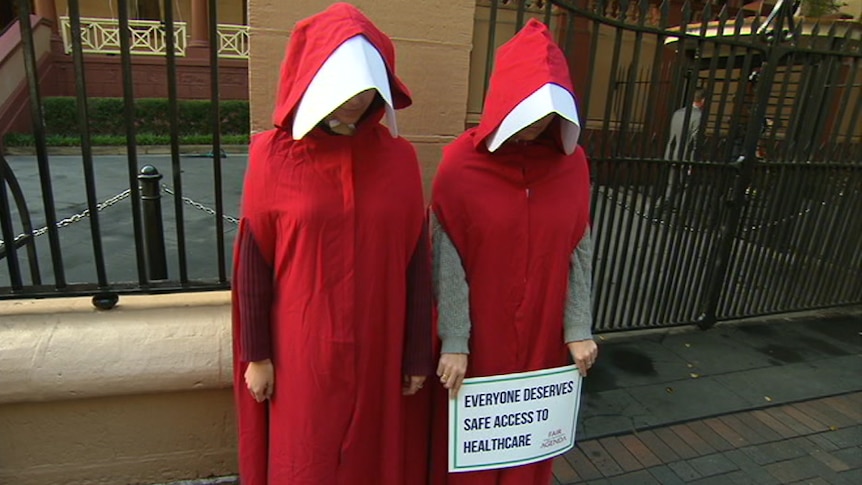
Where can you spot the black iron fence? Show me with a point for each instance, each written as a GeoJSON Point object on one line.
{"type": "Point", "coordinates": [126, 251]}
{"type": "Point", "coordinates": [762, 216]}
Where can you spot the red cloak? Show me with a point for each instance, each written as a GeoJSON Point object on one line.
{"type": "Point", "coordinates": [336, 220]}
{"type": "Point", "coordinates": [515, 216]}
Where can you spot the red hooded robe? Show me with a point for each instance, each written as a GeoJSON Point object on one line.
{"type": "Point", "coordinates": [335, 223]}
{"type": "Point", "coordinates": [515, 216]}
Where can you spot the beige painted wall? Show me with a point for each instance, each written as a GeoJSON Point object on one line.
{"type": "Point", "coordinates": [142, 439]}
{"type": "Point", "coordinates": [852, 7]}
{"type": "Point", "coordinates": [137, 394]}
{"type": "Point", "coordinates": [229, 11]}
{"type": "Point", "coordinates": [433, 41]}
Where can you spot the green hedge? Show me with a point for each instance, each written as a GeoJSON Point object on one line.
{"type": "Point", "coordinates": [151, 117]}
{"type": "Point", "coordinates": [27, 140]}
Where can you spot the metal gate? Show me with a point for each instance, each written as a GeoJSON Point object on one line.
{"type": "Point", "coordinates": [124, 250]}
{"type": "Point", "coordinates": [763, 215]}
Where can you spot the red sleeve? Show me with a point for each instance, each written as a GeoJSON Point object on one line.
{"type": "Point", "coordinates": [254, 296]}
{"type": "Point", "coordinates": [418, 360]}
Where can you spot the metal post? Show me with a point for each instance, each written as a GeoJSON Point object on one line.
{"type": "Point", "coordinates": [151, 211]}
{"type": "Point", "coordinates": [86, 144]}
{"type": "Point", "coordinates": [174, 122]}
{"type": "Point", "coordinates": [773, 53]}
{"type": "Point", "coordinates": [37, 114]}
{"type": "Point", "coordinates": [216, 131]}
{"type": "Point", "coordinates": [489, 53]}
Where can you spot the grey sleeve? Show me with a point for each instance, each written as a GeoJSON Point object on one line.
{"type": "Point", "coordinates": [578, 321]}
{"type": "Point", "coordinates": [452, 293]}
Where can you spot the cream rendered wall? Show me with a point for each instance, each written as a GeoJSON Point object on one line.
{"type": "Point", "coordinates": [92, 8]}
{"type": "Point", "coordinates": [852, 7]}
{"type": "Point", "coordinates": [229, 11]}
{"type": "Point", "coordinates": [433, 41]}
{"type": "Point", "coordinates": [137, 394]}
{"type": "Point", "coordinates": [133, 439]}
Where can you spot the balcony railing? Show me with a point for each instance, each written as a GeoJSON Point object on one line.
{"type": "Point", "coordinates": [102, 36]}
{"type": "Point", "coordinates": [233, 41]}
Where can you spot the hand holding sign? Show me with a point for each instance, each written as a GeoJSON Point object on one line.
{"type": "Point", "coordinates": [584, 353]}
{"type": "Point", "coordinates": [514, 419]}
{"type": "Point", "coordinates": [451, 370]}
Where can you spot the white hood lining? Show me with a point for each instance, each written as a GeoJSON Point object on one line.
{"type": "Point", "coordinates": [550, 98]}
{"type": "Point", "coordinates": [353, 67]}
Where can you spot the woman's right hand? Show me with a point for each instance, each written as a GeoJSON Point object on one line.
{"type": "Point", "coordinates": [451, 370]}
{"type": "Point", "coordinates": [260, 379]}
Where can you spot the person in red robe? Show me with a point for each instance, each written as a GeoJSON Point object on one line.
{"type": "Point", "coordinates": [331, 283]}
{"type": "Point", "coordinates": [511, 236]}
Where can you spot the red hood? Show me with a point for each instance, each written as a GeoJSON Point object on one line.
{"type": "Point", "coordinates": [528, 61]}
{"type": "Point", "coordinates": [312, 42]}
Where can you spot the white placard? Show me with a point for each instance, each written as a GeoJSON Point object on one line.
{"type": "Point", "coordinates": [513, 419]}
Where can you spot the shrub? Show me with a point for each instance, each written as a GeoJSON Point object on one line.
{"type": "Point", "coordinates": [18, 140]}
{"type": "Point", "coordinates": [152, 116]}
{"type": "Point", "coordinates": [27, 140]}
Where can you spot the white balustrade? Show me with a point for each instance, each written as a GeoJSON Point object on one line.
{"type": "Point", "coordinates": [233, 41]}
{"type": "Point", "coordinates": [102, 36]}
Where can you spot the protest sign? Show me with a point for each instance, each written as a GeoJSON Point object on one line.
{"type": "Point", "coordinates": [513, 419]}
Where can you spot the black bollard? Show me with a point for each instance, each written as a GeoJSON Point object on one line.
{"type": "Point", "coordinates": [154, 236]}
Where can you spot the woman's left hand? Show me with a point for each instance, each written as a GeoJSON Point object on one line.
{"type": "Point", "coordinates": [410, 385]}
{"type": "Point", "coordinates": [584, 353]}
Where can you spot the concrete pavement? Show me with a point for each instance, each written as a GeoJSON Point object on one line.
{"type": "Point", "coordinates": [761, 401]}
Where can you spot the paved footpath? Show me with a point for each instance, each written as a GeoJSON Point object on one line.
{"type": "Point", "coordinates": [817, 441]}
{"type": "Point", "coordinates": [764, 401]}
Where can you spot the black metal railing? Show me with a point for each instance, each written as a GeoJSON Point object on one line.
{"type": "Point", "coordinates": [123, 248]}
{"type": "Point", "coordinates": [763, 218]}
{"type": "Point", "coordinates": [760, 219]}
